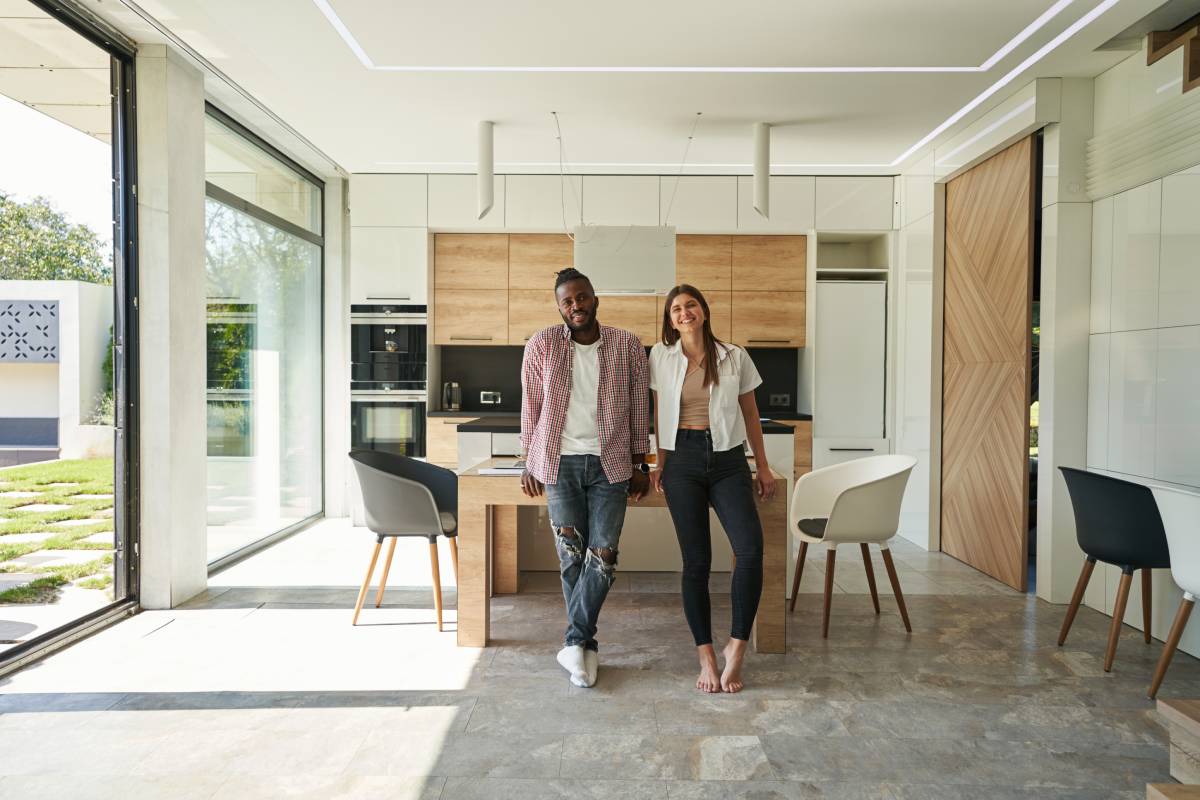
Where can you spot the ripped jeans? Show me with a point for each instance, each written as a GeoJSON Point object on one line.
{"type": "Point", "coordinates": [587, 513]}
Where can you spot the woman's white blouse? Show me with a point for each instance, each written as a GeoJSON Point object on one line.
{"type": "Point", "coordinates": [737, 373]}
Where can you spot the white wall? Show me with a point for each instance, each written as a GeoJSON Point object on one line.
{"type": "Point", "coordinates": [30, 390]}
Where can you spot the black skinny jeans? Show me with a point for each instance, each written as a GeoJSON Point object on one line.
{"type": "Point", "coordinates": [693, 478]}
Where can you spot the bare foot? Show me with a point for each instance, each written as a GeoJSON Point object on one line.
{"type": "Point", "coordinates": [731, 678]}
{"type": "Point", "coordinates": [709, 680]}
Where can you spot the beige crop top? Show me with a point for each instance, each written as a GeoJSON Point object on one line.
{"type": "Point", "coordinates": [693, 400]}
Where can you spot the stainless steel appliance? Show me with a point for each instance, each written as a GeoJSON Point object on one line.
{"type": "Point", "coordinates": [388, 348]}
{"type": "Point", "coordinates": [451, 396]}
{"type": "Point", "coordinates": [393, 421]}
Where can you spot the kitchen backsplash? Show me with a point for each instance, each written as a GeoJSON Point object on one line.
{"type": "Point", "coordinates": [780, 370]}
{"type": "Point", "coordinates": [484, 369]}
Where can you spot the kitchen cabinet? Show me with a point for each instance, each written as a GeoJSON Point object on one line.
{"type": "Point", "coordinates": [702, 204]}
{"type": "Point", "coordinates": [768, 319]}
{"type": "Point", "coordinates": [791, 205]}
{"type": "Point", "coordinates": [454, 203]}
{"type": "Point", "coordinates": [769, 262]}
{"type": "Point", "coordinates": [705, 262]}
{"type": "Point", "coordinates": [388, 201]}
{"type": "Point", "coordinates": [827, 452]}
{"type": "Point", "coordinates": [802, 445]}
{"type": "Point", "coordinates": [389, 265]}
{"type": "Point", "coordinates": [854, 203]}
{"type": "Point", "coordinates": [536, 202]}
{"type": "Point", "coordinates": [470, 316]}
{"type": "Point", "coordinates": [720, 307]}
{"type": "Point", "coordinates": [533, 258]}
{"type": "Point", "coordinates": [470, 261]}
{"type": "Point", "coordinates": [851, 364]}
{"type": "Point", "coordinates": [441, 440]}
{"type": "Point", "coordinates": [633, 312]}
{"type": "Point", "coordinates": [529, 311]}
{"type": "Point", "coordinates": [620, 199]}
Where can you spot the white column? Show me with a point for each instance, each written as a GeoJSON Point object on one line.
{"type": "Point", "coordinates": [337, 348]}
{"type": "Point", "coordinates": [171, 296]}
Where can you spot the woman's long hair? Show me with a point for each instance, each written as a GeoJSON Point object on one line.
{"type": "Point", "coordinates": [670, 336]}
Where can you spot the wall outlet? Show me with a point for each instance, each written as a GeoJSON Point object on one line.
{"type": "Point", "coordinates": [779, 400]}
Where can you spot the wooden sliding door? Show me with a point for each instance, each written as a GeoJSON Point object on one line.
{"type": "Point", "coordinates": [985, 364]}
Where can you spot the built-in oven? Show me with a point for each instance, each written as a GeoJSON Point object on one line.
{"type": "Point", "coordinates": [388, 420]}
{"type": "Point", "coordinates": [388, 348]}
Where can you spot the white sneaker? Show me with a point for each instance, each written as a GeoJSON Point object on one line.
{"type": "Point", "coordinates": [572, 660]}
{"type": "Point", "coordinates": [591, 663]}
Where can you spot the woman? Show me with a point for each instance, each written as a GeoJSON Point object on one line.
{"type": "Point", "coordinates": [704, 411]}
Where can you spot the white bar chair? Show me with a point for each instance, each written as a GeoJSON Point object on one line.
{"type": "Point", "coordinates": [855, 502]}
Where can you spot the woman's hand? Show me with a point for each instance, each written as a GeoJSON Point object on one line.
{"type": "Point", "coordinates": [656, 480]}
{"type": "Point", "coordinates": [765, 481]}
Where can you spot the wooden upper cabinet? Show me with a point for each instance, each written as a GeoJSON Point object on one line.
{"type": "Point", "coordinates": [533, 258]}
{"type": "Point", "coordinates": [470, 261]}
{"type": "Point", "coordinates": [705, 262]}
{"type": "Point", "coordinates": [778, 263]}
{"type": "Point", "coordinates": [470, 316]}
{"type": "Point", "coordinates": [768, 319]}
{"type": "Point", "coordinates": [530, 310]}
{"type": "Point", "coordinates": [720, 307]}
{"type": "Point", "coordinates": [635, 313]}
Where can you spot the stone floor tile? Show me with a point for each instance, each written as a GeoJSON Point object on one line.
{"type": "Point", "coordinates": [198, 786]}
{"type": "Point", "coordinates": [572, 714]}
{"type": "Point", "coordinates": [713, 758]}
{"type": "Point", "coordinates": [478, 755]}
{"type": "Point", "coordinates": [774, 790]}
{"type": "Point", "coordinates": [560, 789]}
{"type": "Point", "coordinates": [343, 787]}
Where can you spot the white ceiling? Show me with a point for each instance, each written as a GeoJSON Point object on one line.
{"type": "Point", "coordinates": [393, 87]}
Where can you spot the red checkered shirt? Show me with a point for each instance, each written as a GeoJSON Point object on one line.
{"type": "Point", "coordinates": [623, 399]}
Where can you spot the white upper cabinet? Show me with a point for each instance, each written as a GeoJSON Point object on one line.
{"type": "Point", "coordinates": [854, 204]}
{"type": "Point", "coordinates": [536, 203]}
{"type": "Point", "coordinates": [702, 204]}
{"type": "Point", "coordinates": [1102, 251]}
{"type": "Point", "coordinates": [1137, 219]}
{"type": "Point", "coordinates": [378, 200]}
{"type": "Point", "coordinates": [454, 201]}
{"type": "Point", "coordinates": [389, 265]}
{"type": "Point", "coordinates": [1179, 273]}
{"type": "Point", "coordinates": [791, 205]}
{"type": "Point", "coordinates": [620, 199]}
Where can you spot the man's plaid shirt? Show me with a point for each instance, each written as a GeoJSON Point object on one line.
{"type": "Point", "coordinates": [623, 400]}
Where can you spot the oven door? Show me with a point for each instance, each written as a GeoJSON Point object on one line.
{"type": "Point", "coordinates": [390, 422]}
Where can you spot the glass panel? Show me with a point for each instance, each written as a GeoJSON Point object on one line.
{"type": "Point", "coordinates": [244, 169]}
{"type": "Point", "coordinates": [58, 494]}
{"type": "Point", "coordinates": [264, 379]}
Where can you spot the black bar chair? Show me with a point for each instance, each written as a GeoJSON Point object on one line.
{"type": "Point", "coordinates": [406, 497]}
{"type": "Point", "coordinates": [1116, 522]}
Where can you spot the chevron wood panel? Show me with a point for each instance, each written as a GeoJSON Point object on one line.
{"type": "Point", "coordinates": [985, 366]}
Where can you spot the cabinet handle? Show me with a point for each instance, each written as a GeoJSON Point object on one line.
{"type": "Point", "coordinates": [388, 297]}
{"type": "Point", "coordinates": [471, 338]}
{"type": "Point", "coordinates": [852, 449]}
{"type": "Point", "coordinates": [771, 341]}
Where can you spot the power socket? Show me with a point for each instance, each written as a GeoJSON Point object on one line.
{"type": "Point", "coordinates": [779, 400]}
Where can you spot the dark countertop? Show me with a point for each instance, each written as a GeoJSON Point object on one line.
{"type": "Point", "coordinates": [790, 416]}
{"type": "Point", "coordinates": [509, 423]}
{"type": "Point", "coordinates": [475, 414]}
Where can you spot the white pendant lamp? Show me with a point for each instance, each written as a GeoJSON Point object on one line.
{"type": "Point", "coordinates": [762, 169]}
{"type": "Point", "coordinates": [485, 169]}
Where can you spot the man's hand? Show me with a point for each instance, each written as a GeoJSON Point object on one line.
{"type": "Point", "coordinates": [530, 485]}
{"type": "Point", "coordinates": [639, 485]}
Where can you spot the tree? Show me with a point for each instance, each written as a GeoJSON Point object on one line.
{"type": "Point", "coordinates": [38, 243]}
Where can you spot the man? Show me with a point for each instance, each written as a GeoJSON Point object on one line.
{"type": "Point", "coordinates": [585, 423]}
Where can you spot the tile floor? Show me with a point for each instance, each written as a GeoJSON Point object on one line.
{"type": "Point", "coordinates": [261, 688]}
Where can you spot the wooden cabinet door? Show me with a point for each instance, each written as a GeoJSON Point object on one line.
{"type": "Point", "coordinates": [533, 258]}
{"type": "Point", "coordinates": [720, 306]}
{"type": "Point", "coordinates": [768, 319]}
{"type": "Point", "coordinates": [441, 440]}
{"type": "Point", "coordinates": [473, 316]}
{"type": "Point", "coordinates": [470, 261]}
{"type": "Point", "coordinates": [769, 262]}
{"type": "Point", "coordinates": [633, 312]}
{"type": "Point", "coordinates": [802, 453]}
{"type": "Point", "coordinates": [705, 262]}
{"type": "Point", "coordinates": [529, 311]}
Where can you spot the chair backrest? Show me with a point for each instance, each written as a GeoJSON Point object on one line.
{"type": "Point", "coordinates": [397, 496]}
{"type": "Point", "coordinates": [861, 498]}
{"type": "Point", "coordinates": [1116, 521]}
{"type": "Point", "coordinates": [1181, 522]}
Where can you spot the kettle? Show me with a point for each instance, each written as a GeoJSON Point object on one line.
{"type": "Point", "coordinates": [451, 396]}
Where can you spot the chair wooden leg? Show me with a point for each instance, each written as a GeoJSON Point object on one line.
{"type": "Point", "coordinates": [1114, 631]}
{"type": "Point", "coordinates": [362, 593]}
{"type": "Point", "coordinates": [799, 572]}
{"type": "Point", "coordinates": [1164, 661]}
{"type": "Point", "coordinates": [1076, 598]}
{"type": "Point", "coordinates": [437, 581]}
{"type": "Point", "coordinates": [895, 581]}
{"type": "Point", "coordinates": [454, 557]}
{"type": "Point", "coordinates": [1147, 599]}
{"type": "Point", "coordinates": [866, 554]}
{"type": "Point", "coordinates": [830, 556]}
{"type": "Point", "coordinates": [387, 567]}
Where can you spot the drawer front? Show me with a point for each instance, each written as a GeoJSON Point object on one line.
{"type": "Point", "coordinates": [775, 261]}
{"type": "Point", "coordinates": [632, 312]}
{"type": "Point", "coordinates": [441, 444]}
{"type": "Point", "coordinates": [470, 261]}
{"type": "Point", "coordinates": [705, 262]}
{"type": "Point", "coordinates": [533, 258]}
{"type": "Point", "coordinates": [470, 317]}
{"type": "Point", "coordinates": [768, 319]}
{"type": "Point", "coordinates": [530, 311]}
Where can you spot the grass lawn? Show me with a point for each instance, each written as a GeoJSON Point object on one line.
{"type": "Point", "coordinates": [57, 483]}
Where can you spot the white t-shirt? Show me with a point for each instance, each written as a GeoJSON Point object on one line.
{"type": "Point", "coordinates": [581, 432]}
{"type": "Point", "coordinates": [668, 366]}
